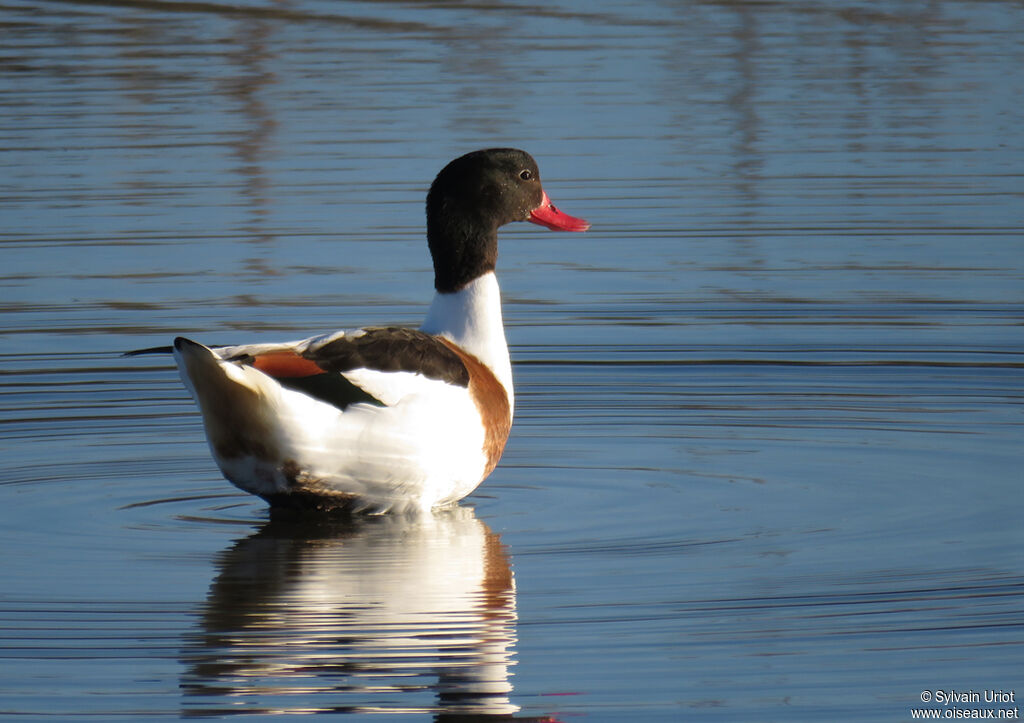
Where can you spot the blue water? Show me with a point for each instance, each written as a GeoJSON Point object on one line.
{"type": "Point", "coordinates": [766, 463]}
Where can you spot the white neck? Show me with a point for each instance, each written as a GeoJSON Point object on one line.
{"type": "Point", "coordinates": [471, 317]}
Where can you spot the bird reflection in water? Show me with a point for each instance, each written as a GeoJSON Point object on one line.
{"type": "Point", "coordinates": [385, 614]}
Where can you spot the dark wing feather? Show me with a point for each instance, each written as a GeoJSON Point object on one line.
{"type": "Point", "coordinates": [319, 371]}
{"type": "Point", "coordinates": [294, 371]}
{"type": "Point", "coordinates": [331, 388]}
{"type": "Point", "coordinates": [392, 349]}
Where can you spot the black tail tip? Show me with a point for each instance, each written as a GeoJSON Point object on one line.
{"type": "Point", "coordinates": [150, 350]}
{"type": "Point", "coordinates": [180, 343]}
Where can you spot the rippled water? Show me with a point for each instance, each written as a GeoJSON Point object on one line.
{"type": "Point", "coordinates": [767, 456]}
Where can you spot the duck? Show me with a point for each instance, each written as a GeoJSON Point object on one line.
{"type": "Point", "coordinates": [385, 419]}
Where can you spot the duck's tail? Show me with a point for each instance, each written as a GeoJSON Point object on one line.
{"type": "Point", "coordinates": [255, 429]}
{"type": "Point", "coordinates": [232, 399]}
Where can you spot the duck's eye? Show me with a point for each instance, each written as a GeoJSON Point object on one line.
{"type": "Point", "coordinates": [526, 175]}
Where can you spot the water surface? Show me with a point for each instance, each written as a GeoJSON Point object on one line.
{"type": "Point", "coordinates": [766, 463]}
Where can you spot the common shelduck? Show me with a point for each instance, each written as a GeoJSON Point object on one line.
{"type": "Point", "coordinates": [385, 419]}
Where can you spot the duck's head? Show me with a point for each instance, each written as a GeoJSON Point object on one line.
{"type": "Point", "coordinates": [471, 198]}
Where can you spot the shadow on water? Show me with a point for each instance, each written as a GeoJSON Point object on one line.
{"type": "Point", "coordinates": [396, 615]}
